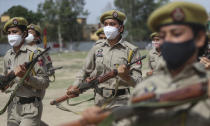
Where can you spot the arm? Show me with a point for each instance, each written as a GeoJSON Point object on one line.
{"type": "Point", "coordinates": [133, 75]}
{"type": "Point", "coordinates": [40, 80]}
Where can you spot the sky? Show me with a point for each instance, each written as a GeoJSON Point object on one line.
{"type": "Point", "coordinates": [95, 7]}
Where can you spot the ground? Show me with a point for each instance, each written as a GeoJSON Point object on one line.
{"type": "Point", "coordinates": [72, 63]}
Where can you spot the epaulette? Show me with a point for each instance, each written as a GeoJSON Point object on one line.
{"type": "Point", "coordinates": [130, 46]}
{"type": "Point", "coordinates": [200, 68]}
{"type": "Point", "coordinates": [30, 48]}
{"type": "Point", "coordinates": [100, 41]}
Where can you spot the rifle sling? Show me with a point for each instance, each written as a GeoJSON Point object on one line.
{"type": "Point", "coordinates": [2, 111]}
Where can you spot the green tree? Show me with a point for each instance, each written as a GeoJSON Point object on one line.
{"type": "Point", "coordinates": [19, 11]}
{"type": "Point", "coordinates": [63, 14]}
{"type": "Point", "coordinates": [137, 12]}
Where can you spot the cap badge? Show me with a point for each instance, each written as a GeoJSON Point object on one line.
{"type": "Point", "coordinates": [15, 22]}
{"type": "Point", "coordinates": [115, 14]}
{"type": "Point", "coordinates": [178, 14]}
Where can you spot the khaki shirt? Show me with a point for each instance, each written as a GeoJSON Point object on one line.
{"type": "Point", "coordinates": [37, 84]}
{"type": "Point", "coordinates": [153, 58]}
{"type": "Point", "coordinates": [46, 60]}
{"type": "Point", "coordinates": [163, 82]}
{"type": "Point", "coordinates": [102, 59]}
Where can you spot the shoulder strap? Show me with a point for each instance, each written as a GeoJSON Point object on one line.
{"type": "Point", "coordinates": [31, 58]}
{"type": "Point", "coordinates": [130, 55]}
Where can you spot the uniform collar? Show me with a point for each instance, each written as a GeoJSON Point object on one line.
{"type": "Point", "coordinates": [22, 49]}
{"type": "Point", "coordinates": [121, 42]}
{"type": "Point", "coordinates": [155, 51]}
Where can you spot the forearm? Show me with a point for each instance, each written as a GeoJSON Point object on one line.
{"type": "Point", "coordinates": [38, 82]}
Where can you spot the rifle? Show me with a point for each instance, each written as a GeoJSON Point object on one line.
{"type": "Point", "coordinates": [152, 101]}
{"type": "Point", "coordinates": [29, 67]}
{"type": "Point", "coordinates": [5, 80]}
{"type": "Point", "coordinates": [93, 82]}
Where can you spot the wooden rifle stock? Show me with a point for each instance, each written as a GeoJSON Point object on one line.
{"type": "Point", "coordinates": [61, 99]}
{"type": "Point", "coordinates": [192, 91]}
{"type": "Point", "coordinates": [107, 76]}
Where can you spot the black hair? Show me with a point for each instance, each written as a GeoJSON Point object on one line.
{"type": "Point", "coordinates": [37, 33]}
{"type": "Point", "coordinates": [196, 28]}
{"type": "Point", "coordinates": [21, 27]}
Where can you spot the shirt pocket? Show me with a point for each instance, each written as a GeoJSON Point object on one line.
{"type": "Point", "coordinates": [120, 61]}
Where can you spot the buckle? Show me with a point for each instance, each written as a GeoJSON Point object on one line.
{"type": "Point", "coordinates": [107, 93]}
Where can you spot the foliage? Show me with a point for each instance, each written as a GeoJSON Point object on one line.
{"type": "Point", "coordinates": [137, 12]}
{"type": "Point", "coordinates": [63, 13]}
{"type": "Point", "coordinates": [19, 11]}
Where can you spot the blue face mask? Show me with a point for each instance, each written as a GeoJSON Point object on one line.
{"type": "Point", "coordinates": [176, 54]}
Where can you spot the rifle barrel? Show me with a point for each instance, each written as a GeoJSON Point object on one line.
{"type": "Point", "coordinates": [141, 58]}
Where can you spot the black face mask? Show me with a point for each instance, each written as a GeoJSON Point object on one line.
{"type": "Point", "coordinates": [176, 54]}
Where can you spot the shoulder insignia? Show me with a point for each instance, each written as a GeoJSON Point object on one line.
{"type": "Point", "coordinates": [130, 46]}
{"type": "Point", "coordinates": [150, 88]}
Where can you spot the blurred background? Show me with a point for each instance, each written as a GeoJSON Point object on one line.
{"type": "Point", "coordinates": [70, 25]}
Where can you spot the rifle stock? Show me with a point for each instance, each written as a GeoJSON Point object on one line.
{"type": "Point", "coordinates": [192, 91]}
{"type": "Point", "coordinates": [61, 99]}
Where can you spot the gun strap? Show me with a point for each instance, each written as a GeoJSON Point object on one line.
{"type": "Point", "coordinates": [130, 55]}
{"type": "Point", "coordinates": [108, 101]}
{"type": "Point", "coordinates": [61, 107]}
{"type": "Point", "coordinates": [2, 111]}
{"type": "Point", "coordinates": [30, 59]}
{"type": "Point", "coordinates": [74, 104]}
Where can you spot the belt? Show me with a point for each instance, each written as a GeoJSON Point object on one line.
{"type": "Point", "coordinates": [28, 100]}
{"type": "Point", "coordinates": [111, 92]}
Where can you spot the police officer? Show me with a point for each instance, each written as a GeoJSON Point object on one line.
{"type": "Point", "coordinates": [181, 26]}
{"type": "Point", "coordinates": [110, 54]}
{"type": "Point", "coordinates": [33, 39]}
{"type": "Point", "coordinates": [154, 53]}
{"type": "Point", "coordinates": [26, 107]}
{"type": "Point", "coordinates": [100, 34]}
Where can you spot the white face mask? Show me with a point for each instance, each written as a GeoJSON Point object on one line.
{"type": "Point", "coordinates": [111, 32]}
{"type": "Point", "coordinates": [155, 44]}
{"type": "Point", "coordinates": [29, 38]}
{"type": "Point", "coordinates": [14, 40]}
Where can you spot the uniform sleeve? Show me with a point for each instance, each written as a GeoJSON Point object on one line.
{"type": "Point", "coordinates": [150, 61]}
{"type": "Point", "coordinates": [136, 74]}
{"type": "Point", "coordinates": [48, 63]}
{"type": "Point", "coordinates": [5, 69]}
{"type": "Point", "coordinates": [41, 79]}
{"type": "Point", "coordinates": [87, 69]}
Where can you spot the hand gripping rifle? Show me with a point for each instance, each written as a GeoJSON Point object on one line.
{"type": "Point", "coordinates": [92, 83]}
{"type": "Point", "coordinates": [29, 66]}
{"type": "Point", "coordinates": [5, 80]}
{"type": "Point", "coordinates": [152, 101]}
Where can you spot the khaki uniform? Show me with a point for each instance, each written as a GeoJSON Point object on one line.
{"type": "Point", "coordinates": [153, 58]}
{"type": "Point", "coordinates": [162, 82]}
{"type": "Point", "coordinates": [26, 107]}
{"type": "Point", "coordinates": [101, 59]}
{"type": "Point", "coordinates": [46, 60]}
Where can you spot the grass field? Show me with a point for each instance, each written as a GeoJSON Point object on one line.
{"type": "Point", "coordinates": [72, 63]}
